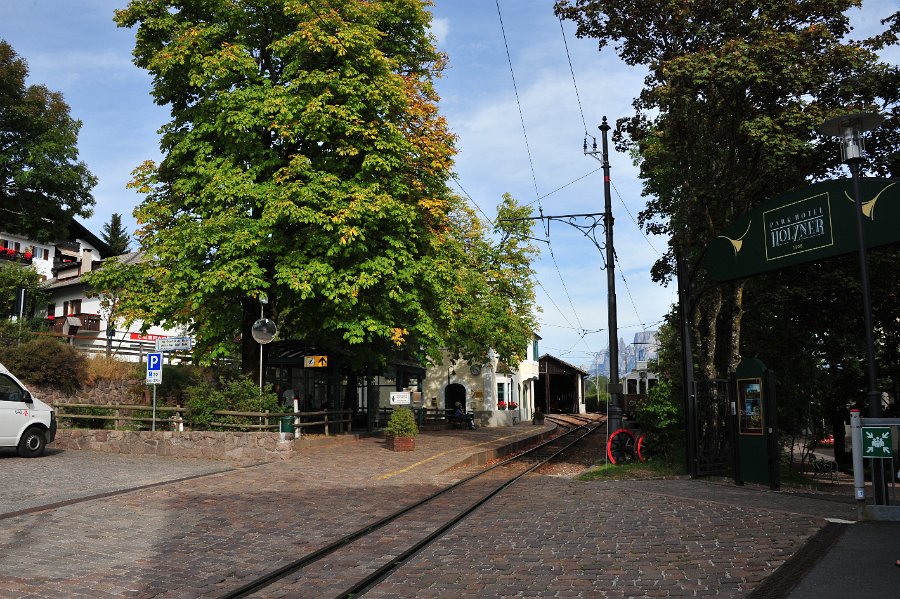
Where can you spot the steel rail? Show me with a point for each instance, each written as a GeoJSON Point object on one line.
{"type": "Point", "coordinates": [384, 571]}
{"type": "Point", "coordinates": [304, 561]}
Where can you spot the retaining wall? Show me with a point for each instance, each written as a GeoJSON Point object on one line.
{"type": "Point", "coordinates": [235, 447]}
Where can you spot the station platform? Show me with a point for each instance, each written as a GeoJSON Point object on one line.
{"type": "Point", "coordinates": [106, 525]}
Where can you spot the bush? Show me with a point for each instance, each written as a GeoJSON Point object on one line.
{"type": "Point", "coordinates": [402, 424]}
{"type": "Point", "coordinates": [108, 368]}
{"type": "Point", "coordinates": [237, 395]}
{"type": "Point", "coordinates": [660, 417]}
{"type": "Point", "coordinates": [47, 362]}
{"type": "Point", "coordinates": [11, 333]}
{"type": "Point", "coordinates": [177, 378]}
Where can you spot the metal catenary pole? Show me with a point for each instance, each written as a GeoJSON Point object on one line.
{"type": "Point", "coordinates": [614, 412]}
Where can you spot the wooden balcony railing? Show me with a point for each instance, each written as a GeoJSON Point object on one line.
{"type": "Point", "coordinates": [89, 323]}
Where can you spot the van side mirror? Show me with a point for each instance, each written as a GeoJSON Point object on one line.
{"type": "Point", "coordinates": [26, 397]}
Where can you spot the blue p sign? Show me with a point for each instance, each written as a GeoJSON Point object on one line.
{"type": "Point", "coordinates": [154, 368]}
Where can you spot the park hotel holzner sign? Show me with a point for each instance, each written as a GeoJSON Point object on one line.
{"type": "Point", "coordinates": [804, 225]}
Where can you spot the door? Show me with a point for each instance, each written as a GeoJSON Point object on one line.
{"type": "Point", "coordinates": [14, 412]}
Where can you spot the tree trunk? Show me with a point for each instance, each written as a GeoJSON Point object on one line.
{"type": "Point", "coordinates": [737, 313]}
{"type": "Point", "coordinates": [705, 329]}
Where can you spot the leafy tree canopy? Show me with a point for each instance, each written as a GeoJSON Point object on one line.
{"type": "Point", "coordinates": [15, 276]}
{"type": "Point", "coordinates": [42, 183]}
{"type": "Point", "coordinates": [305, 160]}
{"type": "Point", "coordinates": [728, 114]}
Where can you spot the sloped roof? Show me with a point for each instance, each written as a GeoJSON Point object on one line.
{"type": "Point", "coordinates": [564, 363]}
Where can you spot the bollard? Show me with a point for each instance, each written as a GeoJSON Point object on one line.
{"type": "Point", "coordinates": [859, 482]}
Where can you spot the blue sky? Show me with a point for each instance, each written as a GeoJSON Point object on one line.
{"type": "Point", "coordinates": [75, 48]}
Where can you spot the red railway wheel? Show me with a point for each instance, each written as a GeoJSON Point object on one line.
{"type": "Point", "coordinates": [620, 447]}
{"type": "Point", "coordinates": [644, 448]}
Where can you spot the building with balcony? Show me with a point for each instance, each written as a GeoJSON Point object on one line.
{"type": "Point", "coordinates": [72, 310]}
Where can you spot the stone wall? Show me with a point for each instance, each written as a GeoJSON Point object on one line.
{"type": "Point", "coordinates": [101, 392]}
{"type": "Point", "coordinates": [235, 447]}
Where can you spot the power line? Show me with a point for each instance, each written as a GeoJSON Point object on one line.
{"type": "Point", "coordinates": [547, 195]}
{"type": "Point", "coordinates": [572, 71]}
{"type": "Point", "coordinates": [474, 203]}
{"type": "Point", "coordinates": [627, 288]}
{"type": "Point", "coordinates": [644, 235]}
{"type": "Point", "coordinates": [518, 103]}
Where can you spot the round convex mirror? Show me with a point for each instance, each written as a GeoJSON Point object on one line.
{"type": "Point", "coordinates": [263, 330]}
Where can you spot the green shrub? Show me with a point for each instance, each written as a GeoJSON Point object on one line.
{"type": "Point", "coordinates": [47, 362]}
{"type": "Point", "coordinates": [237, 395]}
{"type": "Point", "coordinates": [402, 424]}
{"type": "Point", "coordinates": [11, 333]}
{"type": "Point", "coordinates": [661, 419]}
{"type": "Point", "coordinates": [177, 378]}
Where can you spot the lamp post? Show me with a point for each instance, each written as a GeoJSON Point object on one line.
{"type": "Point", "coordinates": [850, 128]}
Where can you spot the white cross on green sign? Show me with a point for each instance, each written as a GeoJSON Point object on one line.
{"type": "Point", "coordinates": [877, 442]}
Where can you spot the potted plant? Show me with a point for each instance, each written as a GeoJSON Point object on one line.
{"type": "Point", "coordinates": [501, 405]}
{"type": "Point", "coordinates": [401, 430]}
{"type": "Point", "coordinates": [538, 418]}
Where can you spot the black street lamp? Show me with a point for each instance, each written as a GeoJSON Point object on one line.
{"type": "Point", "coordinates": [850, 128]}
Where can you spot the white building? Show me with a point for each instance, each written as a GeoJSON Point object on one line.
{"type": "Point", "coordinates": [73, 311]}
{"type": "Point", "coordinates": [495, 393]}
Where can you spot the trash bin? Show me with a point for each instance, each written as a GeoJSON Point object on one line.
{"type": "Point", "coordinates": [287, 428]}
{"type": "Point", "coordinates": [287, 424]}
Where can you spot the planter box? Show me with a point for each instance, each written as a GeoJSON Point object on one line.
{"type": "Point", "coordinates": [538, 421]}
{"type": "Point", "coordinates": [401, 443]}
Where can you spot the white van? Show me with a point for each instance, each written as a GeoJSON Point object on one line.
{"type": "Point", "coordinates": [26, 423]}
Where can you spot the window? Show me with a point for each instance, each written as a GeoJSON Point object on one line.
{"type": "Point", "coordinates": [536, 354]}
{"type": "Point", "coordinates": [9, 390]}
{"type": "Point", "coordinates": [501, 389]}
{"type": "Point", "coordinates": [51, 309]}
{"type": "Point", "coordinates": [46, 253]}
{"type": "Point", "coordinates": [65, 309]}
{"type": "Point", "coordinates": [75, 307]}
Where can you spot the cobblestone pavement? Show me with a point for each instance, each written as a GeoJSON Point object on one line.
{"type": "Point", "coordinates": [67, 475]}
{"type": "Point", "coordinates": [545, 536]}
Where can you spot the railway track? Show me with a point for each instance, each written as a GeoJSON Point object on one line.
{"type": "Point", "coordinates": [344, 568]}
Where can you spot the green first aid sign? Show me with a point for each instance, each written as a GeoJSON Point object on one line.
{"type": "Point", "coordinates": [877, 442]}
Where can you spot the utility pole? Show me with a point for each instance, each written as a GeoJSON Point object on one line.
{"type": "Point", "coordinates": [588, 224]}
{"type": "Point", "coordinates": [614, 412]}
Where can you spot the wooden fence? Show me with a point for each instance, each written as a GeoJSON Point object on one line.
{"type": "Point", "coordinates": [135, 417]}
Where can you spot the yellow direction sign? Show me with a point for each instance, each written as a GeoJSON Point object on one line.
{"type": "Point", "coordinates": [315, 361]}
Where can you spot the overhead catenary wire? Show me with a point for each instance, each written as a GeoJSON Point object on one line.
{"type": "Point", "coordinates": [474, 203]}
{"type": "Point", "coordinates": [572, 71]}
{"type": "Point", "coordinates": [518, 103]}
{"type": "Point", "coordinates": [531, 165]}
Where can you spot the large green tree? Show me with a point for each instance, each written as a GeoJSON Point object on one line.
{"type": "Point", "coordinates": [492, 300]}
{"type": "Point", "coordinates": [727, 118]}
{"type": "Point", "coordinates": [305, 161]}
{"type": "Point", "coordinates": [42, 183]}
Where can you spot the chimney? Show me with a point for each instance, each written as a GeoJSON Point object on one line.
{"type": "Point", "coordinates": [87, 261]}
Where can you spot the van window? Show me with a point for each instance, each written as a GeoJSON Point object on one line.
{"type": "Point", "coordinates": [9, 390]}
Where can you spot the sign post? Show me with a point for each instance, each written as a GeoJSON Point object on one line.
{"type": "Point", "coordinates": [154, 377]}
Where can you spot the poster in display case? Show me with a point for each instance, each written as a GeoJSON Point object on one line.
{"type": "Point", "coordinates": [750, 406]}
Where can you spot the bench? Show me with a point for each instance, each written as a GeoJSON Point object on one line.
{"type": "Point", "coordinates": [823, 468]}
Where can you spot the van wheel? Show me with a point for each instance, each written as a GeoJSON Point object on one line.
{"type": "Point", "coordinates": [32, 443]}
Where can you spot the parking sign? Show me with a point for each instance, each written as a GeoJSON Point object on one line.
{"type": "Point", "coordinates": [154, 368]}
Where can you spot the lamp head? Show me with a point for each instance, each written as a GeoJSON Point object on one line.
{"type": "Point", "coordinates": [850, 128]}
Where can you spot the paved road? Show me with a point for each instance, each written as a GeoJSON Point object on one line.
{"type": "Point", "coordinates": [545, 536]}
